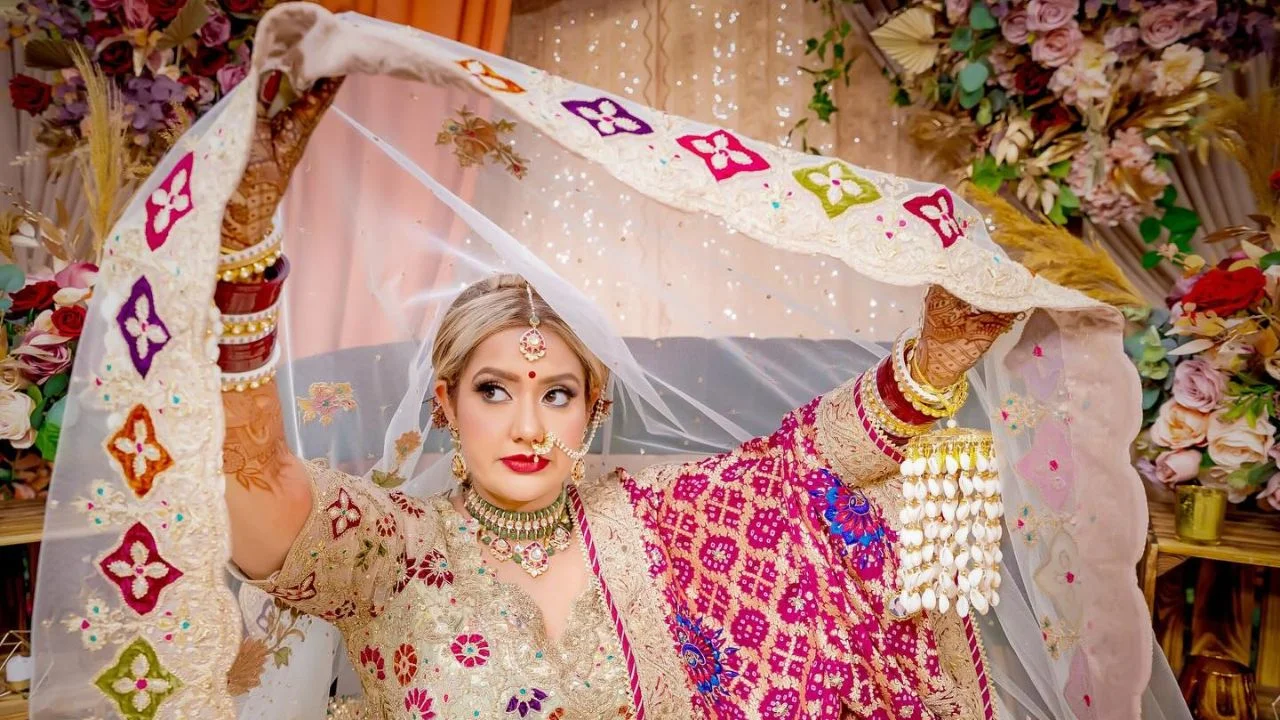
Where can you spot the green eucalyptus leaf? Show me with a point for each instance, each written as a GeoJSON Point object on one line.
{"type": "Point", "coordinates": [968, 100]}
{"type": "Point", "coordinates": [11, 278]}
{"type": "Point", "coordinates": [962, 39]}
{"type": "Point", "coordinates": [1150, 259]}
{"type": "Point", "coordinates": [973, 76]}
{"type": "Point", "coordinates": [980, 17]}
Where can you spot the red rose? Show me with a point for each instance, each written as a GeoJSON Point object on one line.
{"type": "Point", "coordinates": [240, 7]}
{"type": "Point", "coordinates": [99, 30]}
{"type": "Point", "coordinates": [1031, 78]}
{"type": "Point", "coordinates": [1226, 292]}
{"type": "Point", "coordinates": [69, 321]}
{"type": "Point", "coordinates": [30, 94]}
{"type": "Point", "coordinates": [165, 10]}
{"type": "Point", "coordinates": [1050, 116]}
{"type": "Point", "coordinates": [37, 296]}
{"type": "Point", "coordinates": [208, 61]}
{"type": "Point", "coordinates": [1275, 180]}
{"type": "Point", "coordinates": [116, 58]}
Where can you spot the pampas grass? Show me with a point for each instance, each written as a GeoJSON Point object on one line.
{"type": "Point", "coordinates": [1250, 133]}
{"type": "Point", "coordinates": [106, 151]}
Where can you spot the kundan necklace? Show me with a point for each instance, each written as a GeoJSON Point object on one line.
{"type": "Point", "coordinates": [528, 539]}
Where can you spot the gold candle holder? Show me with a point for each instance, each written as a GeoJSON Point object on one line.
{"type": "Point", "coordinates": [1200, 514]}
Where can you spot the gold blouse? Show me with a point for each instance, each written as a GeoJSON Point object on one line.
{"type": "Point", "coordinates": [426, 622]}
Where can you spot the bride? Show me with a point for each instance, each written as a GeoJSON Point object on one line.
{"type": "Point", "coordinates": [789, 537]}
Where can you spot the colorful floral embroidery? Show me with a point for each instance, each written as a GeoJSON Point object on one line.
{"type": "Point", "coordinates": [170, 202]}
{"type": "Point", "coordinates": [475, 139]}
{"type": "Point", "coordinates": [704, 654]}
{"type": "Point", "coordinates": [343, 514]}
{"type": "Point", "coordinates": [1048, 464]}
{"type": "Point", "coordinates": [372, 663]}
{"type": "Point", "coordinates": [1059, 577]}
{"type": "Point", "coordinates": [136, 567]}
{"type": "Point", "coordinates": [851, 517]}
{"type": "Point", "coordinates": [608, 117]}
{"type": "Point", "coordinates": [406, 444]}
{"type": "Point", "coordinates": [407, 504]}
{"type": "Point", "coordinates": [471, 650]}
{"type": "Point", "coordinates": [143, 331]}
{"type": "Point", "coordinates": [432, 569]}
{"type": "Point", "coordinates": [836, 185]}
{"type": "Point", "coordinates": [487, 77]}
{"type": "Point", "coordinates": [325, 400]}
{"type": "Point", "coordinates": [405, 663]}
{"type": "Point", "coordinates": [724, 154]}
{"type": "Point", "coordinates": [137, 450]}
{"type": "Point", "coordinates": [386, 526]}
{"type": "Point", "coordinates": [419, 702]}
{"type": "Point", "coordinates": [137, 683]}
{"type": "Point", "coordinates": [939, 210]}
{"type": "Point", "coordinates": [525, 701]}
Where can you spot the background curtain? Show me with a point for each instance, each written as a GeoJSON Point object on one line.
{"type": "Point", "coordinates": [479, 23]}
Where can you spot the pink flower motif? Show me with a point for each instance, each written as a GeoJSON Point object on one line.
{"type": "Point", "coordinates": [170, 202]}
{"type": "Point", "coordinates": [372, 663]}
{"type": "Point", "coordinates": [1056, 47]}
{"type": "Point", "coordinates": [724, 154]}
{"type": "Point", "coordinates": [1013, 26]}
{"type": "Point", "coordinates": [136, 567]}
{"type": "Point", "coordinates": [1049, 465]}
{"type": "Point", "coordinates": [419, 702]}
{"type": "Point", "coordinates": [470, 650]}
{"type": "Point", "coordinates": [939, 210]}
{"type": "Point", "coordinates": [343, 514]}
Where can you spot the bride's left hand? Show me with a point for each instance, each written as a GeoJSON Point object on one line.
{"type": "Point", "coordinates": [954, 336]}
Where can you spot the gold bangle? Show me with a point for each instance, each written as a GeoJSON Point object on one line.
{"type": "Point", "coordinates": [923, 397]}
{"type": "Point", "coordinates": [253, 261]}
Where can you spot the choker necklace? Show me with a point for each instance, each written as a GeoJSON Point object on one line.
{"type": "Point", "coordinates": [528, 539]}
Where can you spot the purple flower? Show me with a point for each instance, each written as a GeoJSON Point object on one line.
{"type": "Point", "coordinates": [1198, 385]}
{"type": "Point", "coordinates": [526, 700]}
{"type": "Point", "coordinates": [216, 30]}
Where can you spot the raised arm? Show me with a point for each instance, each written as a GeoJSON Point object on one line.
{"type": "Point", "coordinates": [269, 491]}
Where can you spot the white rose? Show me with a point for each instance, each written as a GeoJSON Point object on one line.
{"type": "Point", "coordinates": [15, 419]}
{"type": "Point", "coordinates": [1178, 68]}
{"type": "Point", "coordinates": [1233, 443]}
{"type": "Point", "coordinates": [11, 377]}
{"type": "Point", "coordinates": [1178, 427]}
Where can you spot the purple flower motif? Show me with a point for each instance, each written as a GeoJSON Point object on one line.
{"type": "Point", "coordinates": [143, 330]}
{"type": "Point", "coordinates": [525, 701]}
{"type": "Point", "coordinates": [607, 117]}
{"type": "Point", "coordinates": [853, 518]}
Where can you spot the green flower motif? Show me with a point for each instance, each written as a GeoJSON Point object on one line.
{"type": "Point", "coordinates": [836, 186]}
{"type": "Point", "coordinates": [136, 683]}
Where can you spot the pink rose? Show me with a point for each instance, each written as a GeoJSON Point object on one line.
{"type": "Point", "coordinates": [42, 355]}
{"type": "Point", "coordinates": [1014, 26]}
{"type": "Point", "coordinates": [1178, 428]}
{"type": "Point", "coordinates": [957, 11]}
{"type": "Point", "coordinates": [1197, 385]}
{"type": "Point", "coordinates": [136, 13]}
{"type": "Point", "coordinates": [1177, 466]}
{"type": "Point", "coordinates": [1269, 496]}
{"type": "Point", "coordinates": [1161, 25]}
{"type": "Point", "coordinates": [1046, 15]}
{"type": "Point", "coordinates": [216, 30]}
{"type": "Point", "coordinates": [1121, 38]}
{"type": "Point", "coordinates": [1057, 47]}
{"type": "Point", "coordinates": [104, 5]}
{"type": "Point", "coordinates": [229, 76]}
{"type": "Point", "coordinates": [79, 275]}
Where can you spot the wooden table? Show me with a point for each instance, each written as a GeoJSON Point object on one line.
{"type": "Point", "coordinates": [1247, 539]}
{"type": "Point", "coordinates": [13, 707]}
{"type": "Point", "coordinates": [21, 521]}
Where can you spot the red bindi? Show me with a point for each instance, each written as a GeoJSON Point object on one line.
{"type": "Point", "coordinates": [532, 374]}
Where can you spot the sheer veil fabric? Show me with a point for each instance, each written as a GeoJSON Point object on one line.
{"type": "Point", "coordinates": [723, 280]}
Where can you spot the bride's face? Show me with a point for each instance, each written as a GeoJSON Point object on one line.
{"type": "Point", "coordinates": [504, 403]}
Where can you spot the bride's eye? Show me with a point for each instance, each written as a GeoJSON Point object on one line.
{"type": "Point", "coordinates": [558, 397]}
{"type": "Point", "coordinates": [492, 392]}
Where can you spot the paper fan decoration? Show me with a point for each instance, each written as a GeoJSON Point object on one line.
{"type": "Point", "coordinates": [908, 40]}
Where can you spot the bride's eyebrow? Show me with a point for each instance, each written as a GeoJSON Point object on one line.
{"type": "Point", "coordinates": [500, 374]}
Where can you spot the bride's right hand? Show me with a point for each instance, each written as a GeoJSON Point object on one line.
{"type": "Point", "coordinates": [279, 141]}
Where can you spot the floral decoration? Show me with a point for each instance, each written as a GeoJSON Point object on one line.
{"type": "Point", "coordinates": [372, 664]}
{"type": "Point", "coordinates": [705, 654]}
{"type": "Point", "coordinates": [418, 701]}
{"type": "Point", "coordinates": [138, 569]}
{"type": "Point", "coordinates": [137, 683]}
{"type": "Point", "coordinates": [836, 185]}
{"type": "Point", "coordinates": [526, 701]}
{"type": "Point", "coordinates": [724, 154]}
{"type": "Point", "coordinates": [137, 450]}
{"type": "Point", "coordinates": [325, 400]}
{"type": "Point", "coordinates": [608, 117]}
{"type": "Point", "coordinates": [470, 650]}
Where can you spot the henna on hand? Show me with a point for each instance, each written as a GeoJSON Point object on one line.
{"type": "Point", "coordinates": [954, 336]}
{"type": "Point", "coordinates": [278, 144]}
{"type": "Point", "coordinates": [254, 450]}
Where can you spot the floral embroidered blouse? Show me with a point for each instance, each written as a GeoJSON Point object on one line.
{"type": "Point", "coordinates": [749, 584]}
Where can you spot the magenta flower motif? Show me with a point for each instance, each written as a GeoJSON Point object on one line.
{"type": "Point", "coordinates": [143, 330]}
{"type": "Point", "coordinates": [724, 154]}
{"type": "Point", "coordinates": [607, 117]}
{"type": "Point", "coordinates": [137, 568]}
{"type": "Point", "coordinates": [418, 702]}
{"type": "Point", "coordinates": [170, 202]}
{"type": "Point", "coordinates": [470, 650]}
{"type": "Point", "coordinates": [939, 210]}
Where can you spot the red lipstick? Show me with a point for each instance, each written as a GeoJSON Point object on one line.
{"type": "Point", "coordinates": [525, 464]}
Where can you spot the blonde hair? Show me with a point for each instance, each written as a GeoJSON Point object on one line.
{"type": "Point", "coordinates": [498, 303]}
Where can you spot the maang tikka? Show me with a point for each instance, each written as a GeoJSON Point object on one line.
{"type": "Point", "coordinates": [532, 344]}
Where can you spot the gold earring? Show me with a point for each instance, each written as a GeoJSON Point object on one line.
{"type": "Point", "coordinates": [578, 471]}
{"type": "Point", "coordinates": [459, 466]}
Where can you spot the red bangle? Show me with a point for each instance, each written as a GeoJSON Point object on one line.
{"type": "Point", "coordinates": [249, 298]}
{"type": "Point", "coordinates": [245, 357]}
{"type": "Point", "coordinates": [894, 400]}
